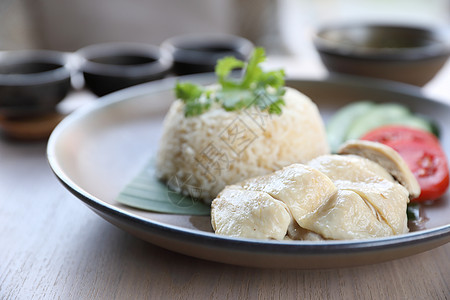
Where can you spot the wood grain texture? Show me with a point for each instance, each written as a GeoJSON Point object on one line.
{"type": "Point", "coordinates": [52, 246]}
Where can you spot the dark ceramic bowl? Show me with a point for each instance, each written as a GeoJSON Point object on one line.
{"type": "Point", "coordinates": [32, 82]}
{"type": "Point", "coordinates": [408, 54]}
{"type": "Point", "coordinates": [198, 53]}
{"type": "Point", "coordinates": [110, 67]}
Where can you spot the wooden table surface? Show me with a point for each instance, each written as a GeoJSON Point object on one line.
{"type": "Point", "coordinates": [52, 246]}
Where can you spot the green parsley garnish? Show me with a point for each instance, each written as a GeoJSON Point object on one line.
{"type": "Point", "coordinates": [264, 90]}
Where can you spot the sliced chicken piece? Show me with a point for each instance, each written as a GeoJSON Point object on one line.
{"type": "Point", "coordinates": [302, 188]}
{"type": "Point", "coordinates": [333, 197]}
{"type": "Point", "coordinates": [295, 232]}
{"type": "Point", "coordinates": [363, 177]}
{"type": "Point", "coordinates": [251, 214]}
{"type": "Point", "coordinates": [339, 165]}
{"type": "Point", "coordinates": [348, 216]}
{"type": "Point", "coordinates": [388, 158]}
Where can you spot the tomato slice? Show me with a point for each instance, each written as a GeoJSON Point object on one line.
{"type": "Point", "coordinates": [423, 154]}
{"type": "Point", "coordinates": [428, 164]}
{"type": "Point", "coordinates": [392, 133]}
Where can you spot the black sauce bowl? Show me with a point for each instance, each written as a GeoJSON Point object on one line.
{"type": "Point", "coordinates": [198, 53]}
{"type": "Point", "coordinates": [33, 82]}
{"type": "Point", "coordinates": [109, 67]}
{"type": "Point", "coordinates": [401, 52]}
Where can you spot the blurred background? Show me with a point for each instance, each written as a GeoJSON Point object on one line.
{"type": "Point", "coordinates": [282, 26]}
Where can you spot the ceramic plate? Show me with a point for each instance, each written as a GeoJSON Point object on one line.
{"type": "Point", "coordinates": [99, 148]}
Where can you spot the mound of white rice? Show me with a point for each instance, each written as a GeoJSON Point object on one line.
{"type": "Point", "coordinates": [200, 155]}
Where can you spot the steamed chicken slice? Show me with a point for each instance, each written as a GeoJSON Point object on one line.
{"type": "Point", "coordinates": [347, 216]}
{"type": "Point", "coordinates": [388, 158]}
{"type": "Point", "coordinates": [387, 198]}
{"type": "Point", "coordinates": [295, 232]}
{"type": "Point", "coordinates": [266, 206]}
{"type": "Point", "coordinates": [240, 213]}
{"type": "Point", "coordinates": [333, 197]}
{"type": "Point", "coordinates": [302, 188]}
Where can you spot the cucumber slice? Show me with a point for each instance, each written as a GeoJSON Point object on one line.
{"type": "Point", "coordinates": [387, 114]}
{"type": "Point", "coordinates": [415, 122]}
{"type": "Point", "coordinates": [341, 121]}
{"type": "Point", "coordinates": [434, 127]}
{"type": "Point", "coordinates": [380, 115]}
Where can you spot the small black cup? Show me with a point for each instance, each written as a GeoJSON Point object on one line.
{"type": "Point", "coordinates": [198, 53]}
{"type": "Point", "coordinates": [32, 82]}
{"type": "Point", "coordinates": [110, 67]}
